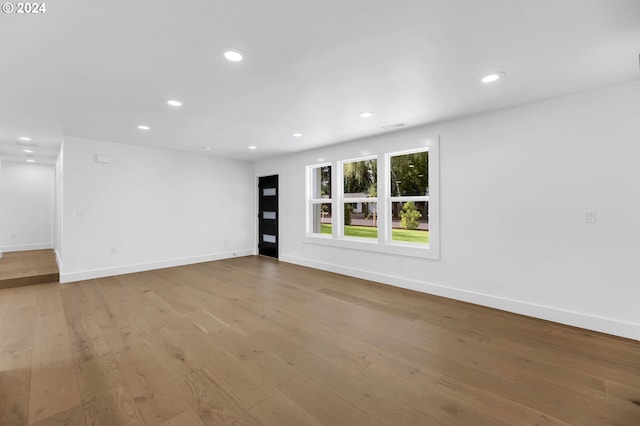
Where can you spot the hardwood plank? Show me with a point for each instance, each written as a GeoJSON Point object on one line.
{"type": "Point", "coordinates": [16, 343]}
{"type": "Point", "coordinates": [85, 335]}
{"type": "Point", "coordinates": [468, 351]}
{"type": "Point", "coordinates": [494, 406]}
{"type": "Point", "coordinates": [625, 395]}
{"type": "Point", "coordinates": [316, 399]}
{"type": "Point", "coordinates": [54, 387]}
{"type": "Point", "coordinates": [367, 353]}
{"type": "Point", "coordinates": [577, 407]}
{"type": "Point", "coordinates": [387, 409]}
{"type": "Point", "coordinates": [565, 360]}
{"type": "Point", "coordinates": [213, 405]}
{"type": "Point", "coordinates": [15, 382]}
{"type": "Point", "coordinates": [238, 379]}
{"type": "Point", "coordinates": [280, 410]}
{"type": "Point", "coordinates": [156, 396]}
{"type": "Point", "coordinates": [29, 280]}
{"type": "Point", "coordinates": [436, 408]}
{"type": "Point", "coordinates": [186, 418]}
{"type": "Point", "coordinates": [251, 340]}
{"type": "Point", "coordinates": [378, 307]}
{"type": "Point", "coordinates": [227, 312]}
{"type": "Point", "coordinates": [112, 408]}
{"type": "Point", "coordinates": [24, 268]}
{"type": "Point", "coordinates": [72, 417]}
{"type": "Point", "coordinates": [320, 401]}
{"type": "Point", "coordinates": [98, 375]}
{"type": "Point", "coordinates": [206, 321]}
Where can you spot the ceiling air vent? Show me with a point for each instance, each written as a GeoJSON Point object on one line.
{"type": "Point", "coordinates": [394, 126]}
{"type": "Point", "coordinates": [29, 144]}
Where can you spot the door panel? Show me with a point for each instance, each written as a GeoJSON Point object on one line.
{"type": "Point", "coordinates": [268, 216]}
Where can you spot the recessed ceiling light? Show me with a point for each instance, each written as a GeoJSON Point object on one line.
{"type": "Point", "coordinates": [296, 135]}
{"type": "Point", "coordinates": [253, 147]}
{"type": "Point", "coordinates": [28, 151]}
{"type": "Point", "coordinates": [24, 138]}
{"type": "Point", "coordinates": [206, 148]}
{"type": "Point", "coordinates": [320, 159]}
{"type": "Point", "coordinates": [490, 78]}
{"type": "Point", "coordinates": [143, 127]}
{"type": "Point", "coordinates": [366, 114]}
{"type": "Point", "coordinates": [233, 55]}
{"type": "Point", "coordinates": [31, 160]}
{"type": "Point", "coordinates": [174, 103]}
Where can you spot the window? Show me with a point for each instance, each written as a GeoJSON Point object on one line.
{"type": "Point", "coordinates": [359, 198]}
{"type": "Point", "coordinates": [386, 203]}
{"type": "Point", "coordinates": [409, 185]}
{"type": "Point", "coordinates": [321, 201]}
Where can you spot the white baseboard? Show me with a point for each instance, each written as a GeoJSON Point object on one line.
{"type": "Point", "coordinates": [577, 319]}
{"type": "Point", "coordinates": [26, 247]}
{"type": "Point", "coordinates": [68, 277]}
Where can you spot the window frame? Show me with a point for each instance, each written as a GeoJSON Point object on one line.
{"type": "Point", "coordinates": [384, 243]}
{"type": "Point", "coordinates": [402, 198]}
{"type": "Point", "coordinates": [342, 200]}
{"type": "Point", "coordinates": [311, 202]}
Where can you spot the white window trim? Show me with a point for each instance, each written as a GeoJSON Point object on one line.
{"type": "Point", "coordinates": [311, 201]}
{"type": "Point", "coordinates": [384, 243]}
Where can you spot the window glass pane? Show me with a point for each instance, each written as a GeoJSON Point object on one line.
{"type": "Point", "coordinates": [268, 192]}
{"type": "Point", "coordinates": [321, 182]}
{"type": "Point", "coordinates": [410, 222]}
{"type": "Point", "coordinates": [360, 178]}
{"type": "Point", "coordinates": [361, 220]}
{"type": "Point", "coordinates": [268, 238]}
{"type": "Point", "coordinates": [409, 176]}
{"type": "Point", "coordinates": [269, 215]}
{"type": "Point", "coordinates": [322, 218]}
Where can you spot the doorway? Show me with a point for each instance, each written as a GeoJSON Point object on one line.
{"type": "Point", "coordinates": [268, 216]}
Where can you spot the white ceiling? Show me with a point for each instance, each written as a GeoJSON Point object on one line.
{"type": "Point", "coordinates": [97, 69]}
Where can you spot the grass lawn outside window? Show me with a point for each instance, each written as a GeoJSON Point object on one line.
{"type": "Point", "coordinates": [407, 235]}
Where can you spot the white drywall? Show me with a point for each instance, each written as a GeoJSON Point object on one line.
{"type": "Point", "coordinates": [57, 208]}
{"type": "Point", "coordinates": [26, 202]}
{"type": "Point", "coordinates": [150, 208]}
{"type": "Point", "coordinates": [514, 188]}
{"type": "Point", "coordinates": [0, 207]}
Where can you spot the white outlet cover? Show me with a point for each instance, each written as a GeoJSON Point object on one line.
{"type": "Point", "coordinates": [103, 159]}
{"type": "Point", "coordinates": [589, 216]}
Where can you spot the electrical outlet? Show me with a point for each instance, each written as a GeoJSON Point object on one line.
{"type": "Point", "coordinates": [589, 216]}
{"type": "Point", "coordinates": [12, 236]}
{"type": "Point", "coordinates": [114, 251]}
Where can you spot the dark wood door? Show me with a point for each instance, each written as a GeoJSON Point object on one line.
{"type": "Point", "coordinates": [268, 216]}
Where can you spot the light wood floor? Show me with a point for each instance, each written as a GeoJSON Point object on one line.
{"type": "Point", "coordinates": [252, 341]}
{"type": "Point", "coordinates": [28, 267]}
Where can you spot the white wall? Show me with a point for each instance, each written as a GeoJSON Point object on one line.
{"type": "Point", "coordinates": [514, 188]}
{"type": "Point", "coordinates": [151, 208]}
{"type": "Point", "coordinates": [57, 208]}
{"type": "Point", "coordinates": [1, 207]}
{"type": "Point", "coordinates": [26, 201]}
